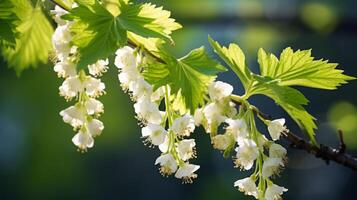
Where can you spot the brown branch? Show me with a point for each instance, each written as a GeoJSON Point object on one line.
{"type": "Point", "coordinates": [322, 151]}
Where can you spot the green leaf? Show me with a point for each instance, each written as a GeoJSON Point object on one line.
{"type": "Point", "coordinates": [234, 57]}
{"type": "Point", "coordinates": [188, 77]}
{"type": "Point", "coordinates": [7, 24]}
{"type": "Point", "coordinates": [292, 101]}
{"type": "Point", "coordinates": [300, 68]}
{"type": "Point", "coordinates": [34, 41]}
{"type": "Point", "coordinates": [96, 32]}
{"type": "Point", "coordinates": [147, 20]}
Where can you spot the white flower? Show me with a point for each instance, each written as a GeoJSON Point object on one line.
{"type": "Point", "coordinates": [95, 127]}
{"type": "Point", "coordinates": [247, 185]}
{"type": "Point", "coordinates": [74, 116]}
{"type": "Point", "coordinates": [222, 142]}
{"type": "Point", "coordinates": [148, 111]}
{"type": "Point", "coordinates": [168, 164]}
{"type": "Point", "coordinates": [186, 149]}
{"type": "Point", "coordinates": [164, 147]}
{"type": "Point", "coordinates": [126, 78]}
{"type": "Point", "coordinates": [276, 127]}
{"type": "Point", "coordinates": [94, 87]}
{"type": "Point", "coordinates": [277, 151]}
{"type": "Point", "coordinates": [71, 87]}
{"type": "Point", "coordinates": [247, 152]}
{"type": "Point", "coordinates": [213, 115]}
{"type": "Point", "coordinates": [158, 94]}
{"type": "Point", "coordinates": [219, 90]}
{"type": "Point", "coordinates": [237, 128]}
{"type": "Point", "coordinates": [83, 140]}
{"type": "Point", "coordinates": [98, 68]}
{"type": "Point", "coordinates": [65, 68]}
{"type": "Point", "coordinates": [155, 134]}
{"type": "Point", "coordinates": [186, 172]}
{"type": "Point", "coordinates": [140, 88]}
{"type": "Point", "coordinates": [274, 192]}
{"type": "Point", "coordinates": [125, 59]}
{"type": "Point", "coordinates": [272, 166]}
{"type": "Point", "coordinates": [183, 126]}
{"type": "Point", "coordinates": [199, 116]}
{"type": "Point", "coordinates": [94, 106]}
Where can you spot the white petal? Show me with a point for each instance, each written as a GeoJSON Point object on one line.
{"type": "Point", "coordinates": [186, 170]}
{"type": "Point", "coordinates": [95, 127]}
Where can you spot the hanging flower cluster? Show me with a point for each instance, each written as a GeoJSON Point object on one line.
{"type": "Point", "coordinates": [242, 136]}
{"type": "Point", "coordinates": [83, 88]}
{"type": "Point", "coordinates": [167, 130]}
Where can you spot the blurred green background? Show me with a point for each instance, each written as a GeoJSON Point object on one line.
{"type": "Point", "coordinates": [38, 160]}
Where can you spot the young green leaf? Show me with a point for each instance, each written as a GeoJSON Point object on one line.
{"type": "Point", "coordinates": [34, 41]}
{"type": "Point", "coordinates": [300, 68]}
{"type": "Point", "coordinates": [234, 57]}
{"type": "Point", "coordinates": [188, 77]}
{"type": "Point", "coordinates": [147, 20]}
{"type": "Point", "coordinates": [96, 32]}
{"type": "Point", "coordinates": [291, 100]}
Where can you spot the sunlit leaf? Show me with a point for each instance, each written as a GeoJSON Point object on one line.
{"type": "Point", "coordinates": [300, 68]}
{"type": "Point", "coordinates": [34, 41]}
{"type": "Point", "coordinates": [234, 57]}
{"type": "Point", "coordinates": [96, 31]}
{"type": "Point", "coordinates": [147, 20]}
{"type": "Point", "coordinates": [292, 101]}
{"type": "Point", "coordinates": [188, 76]}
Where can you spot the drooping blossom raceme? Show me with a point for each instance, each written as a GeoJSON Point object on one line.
{"type": "Point", "coordinates": [77, 85]}
{"type": "Point", "coordinates": [248, 186]}
{"type": "Point", "coordinates": [172, 141]}
{"type": "Point", "coordinates": [274, 192]}
{"type": "Point", "coordinates": [241, 134]}
{"type": "Point", "coordinates": [276, 128]}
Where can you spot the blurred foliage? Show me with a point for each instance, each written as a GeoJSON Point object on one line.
{"type": "Point", "coordinates": [320, 17]}
{"type": "Point", "coordinates": [343, 115]}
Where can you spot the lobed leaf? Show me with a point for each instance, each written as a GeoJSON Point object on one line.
{"type": "Point", "coordinates": [34, 37]}
{"type": "Point", "coordinates": [299, 68]}
{"type": "Point", "coordinates": [188, 77]}
{"type": "Point", "coordinates": [292, 101]}
{"type": "Point", "coordinates": [234, 57]}
{"type": "Point", "coordinates": [97, 33]}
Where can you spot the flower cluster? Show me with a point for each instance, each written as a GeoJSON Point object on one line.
{"type": "Point", "coordinates": [240, 134]}
{"type": "Point", "coordinates": [177, 149]}
{"type": "Point", "coordinates": [78, 85]}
